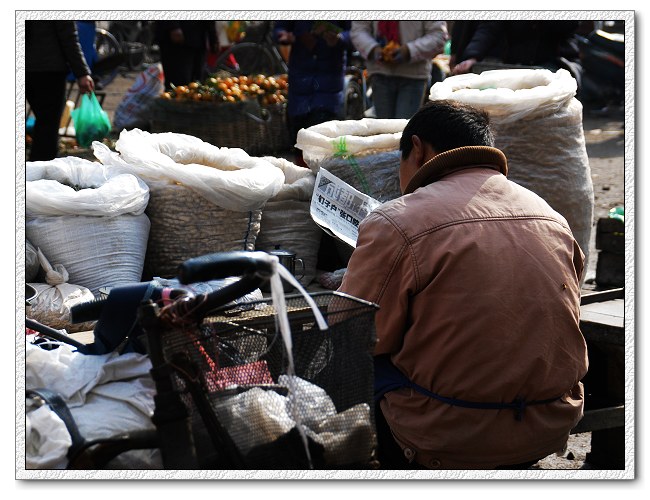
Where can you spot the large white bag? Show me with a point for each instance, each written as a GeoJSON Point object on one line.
{"type": "Point", "coordinates": [74, 186]}
{"type": "Point", "coordinates": [234, 180]}
{"type": "Point", "coordinates": [537, 123]}
{"type": "Point", "coordinates": [364, 153]}
{"type": "Point", "coordinates": [88, 218]}
{"type": "Point", "coordinates": [203, 199]}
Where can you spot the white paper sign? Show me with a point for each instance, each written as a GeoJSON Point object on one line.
{"type": "Point", "coordinates": [338, 208]}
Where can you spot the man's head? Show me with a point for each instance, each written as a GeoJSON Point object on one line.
{"type": "Point", "coordinates": [439, 126]}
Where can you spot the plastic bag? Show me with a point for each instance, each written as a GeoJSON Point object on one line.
{"type": "Point", "coordinates": [227, 177]}
{"type": "Point", "coordinates": [132, 112]}
{"type": "Point", "coordinates": [91, 122]}
{"type": "Point", "coordinates": [74, 186]}
{"type": "Point", "coordinates": [56, 297]}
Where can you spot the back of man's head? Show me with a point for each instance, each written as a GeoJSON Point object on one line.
{"type": "Point", "coordinates": [447, 124]}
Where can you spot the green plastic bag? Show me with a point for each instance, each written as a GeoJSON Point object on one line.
{"type": "Point", "coordinates": [91, 122]}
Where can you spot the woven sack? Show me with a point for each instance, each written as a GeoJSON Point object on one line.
{"type": "Point", "coordinates": [537, 123]}
{"type": "Point", "coordinates": [186, 225]}
{"type": "Point", "coordinates": [96, 251]}
{"type": "Point", "coordinates": [286, 219]}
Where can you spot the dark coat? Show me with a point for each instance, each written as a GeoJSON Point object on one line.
{"type": "Point", "coordinates": [54, 46]}
{"type": "Point", "coordinates": [530, 43]}
{"type": "Point", "coordinates": [316, 75]}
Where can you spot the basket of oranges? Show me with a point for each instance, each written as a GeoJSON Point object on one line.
{"type": "Point", "coordinates": [247, 112]}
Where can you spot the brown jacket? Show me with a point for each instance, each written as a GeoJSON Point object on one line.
{"type": "Point", "coordinates": [477, 280]}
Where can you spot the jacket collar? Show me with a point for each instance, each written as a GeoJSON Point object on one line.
{"type": "Point", "coordinates": [457, 159]}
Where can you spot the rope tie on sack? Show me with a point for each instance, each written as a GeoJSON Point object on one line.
{"type": "Point", "coordinates": [341, 151]}
{"type": "Point", "coordinates": [54, 275]}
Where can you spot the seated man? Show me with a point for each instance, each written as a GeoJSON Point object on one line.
{"type": "Point", "coordinates": [479, 354]}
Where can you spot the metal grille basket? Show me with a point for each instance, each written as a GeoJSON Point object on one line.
{"type": "Point", "coordinates": [247, 125]}
{"type": "Point", "coordinates": [231, 374]}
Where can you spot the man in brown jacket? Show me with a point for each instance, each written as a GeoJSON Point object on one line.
{"type": "Point", "coordinates": [479, 354]}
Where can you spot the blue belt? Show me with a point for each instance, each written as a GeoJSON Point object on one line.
{"type": "Point", "coordinates": [389, 378]}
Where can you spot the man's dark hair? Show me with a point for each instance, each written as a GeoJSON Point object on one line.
{"type": "Point", "coordinates": [447, 124]}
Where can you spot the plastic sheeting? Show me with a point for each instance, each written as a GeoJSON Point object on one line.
{"type": "Point", "coordinates": [227, 177]}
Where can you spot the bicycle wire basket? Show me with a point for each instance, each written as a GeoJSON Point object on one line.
{"type": "Point", "coordinates": [243, 408]}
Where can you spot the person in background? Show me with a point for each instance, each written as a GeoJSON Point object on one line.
{"type": "Point", "coordinates": [479, 355]}
{"type": "Point", "coordinates": [544, 43]}
{"type": "Point", "coordinates": [461, 34]}
{"type": "Point", "coordinates": [399, 61]}
{"type": "Point", "coordinates": [317, 61]}
{"type": "Point", "coordinates": [52, 49]}
{"type": "Point", "coordinates": [184, 46]}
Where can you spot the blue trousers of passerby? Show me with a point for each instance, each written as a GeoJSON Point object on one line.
{"type": "Point", "coordinates": [396, 96]}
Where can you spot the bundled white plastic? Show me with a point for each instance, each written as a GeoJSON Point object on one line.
{"type": "Point", "coordinates": [88, 218]}
{"type": "Point", "coordinates": [364, 153]}
{"type": "Point", "coordinates": [204, 199]}
{"type": "Point", "coordinates": [74, 186]}
{"type": "Point", "coordinates": [257, 417]}
{"type": "Point", "coordinates": [537, 123]}
{"type": "Point", "coordinates": [509, 95]}
{"type": "Point", "coordinates": [108, 395]}
{"type": "Point", "coordinates": [54, 299]}
{"type": "Point", "coordinates": [286, 220]}
{"type": "Point", "coordinates": [234, 180]}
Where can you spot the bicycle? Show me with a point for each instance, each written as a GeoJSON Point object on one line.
{"type": "Point", "coordinates": [255, 54]}
{"type": "Point", "coordinates": [211, 357]}
{"type": "Point", "coordinates": [136, 39]}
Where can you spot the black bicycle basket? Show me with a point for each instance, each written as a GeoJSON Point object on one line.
{"type": "Point", "coordinates": [246, 410]}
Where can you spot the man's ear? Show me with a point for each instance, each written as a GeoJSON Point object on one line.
{"type": "Point", "coordinates": [418, 151]}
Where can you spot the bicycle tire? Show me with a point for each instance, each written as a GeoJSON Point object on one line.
{"type": "Point", "coordinates": [251, 58]}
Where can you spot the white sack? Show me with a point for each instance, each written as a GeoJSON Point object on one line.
{"type": "Point", "coordinates": [537, 123]}
{"type": "Point", "coordinates": [363, 153]}
{"type": "Point", "coordinates": [349, 137]}
{"type": "Point", "coordinates": [227, 177]}
{"type": "Point", "coordinates": [298, 181]}
{"type": "Point", "coordinates": [96, 251]}
{"type": "Point", "coordinates": [509, 95]}
{"type": "Point", "coordinates": [74, 186]}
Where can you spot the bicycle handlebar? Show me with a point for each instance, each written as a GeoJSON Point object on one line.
{"type": "Point", "coordinates": [225, 265]}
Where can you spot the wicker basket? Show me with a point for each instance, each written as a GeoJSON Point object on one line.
{"type": "Point", "coordinates": [247, 125]}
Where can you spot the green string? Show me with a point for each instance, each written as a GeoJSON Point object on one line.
{"type": "Point", "coordinates": [341, 151]}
